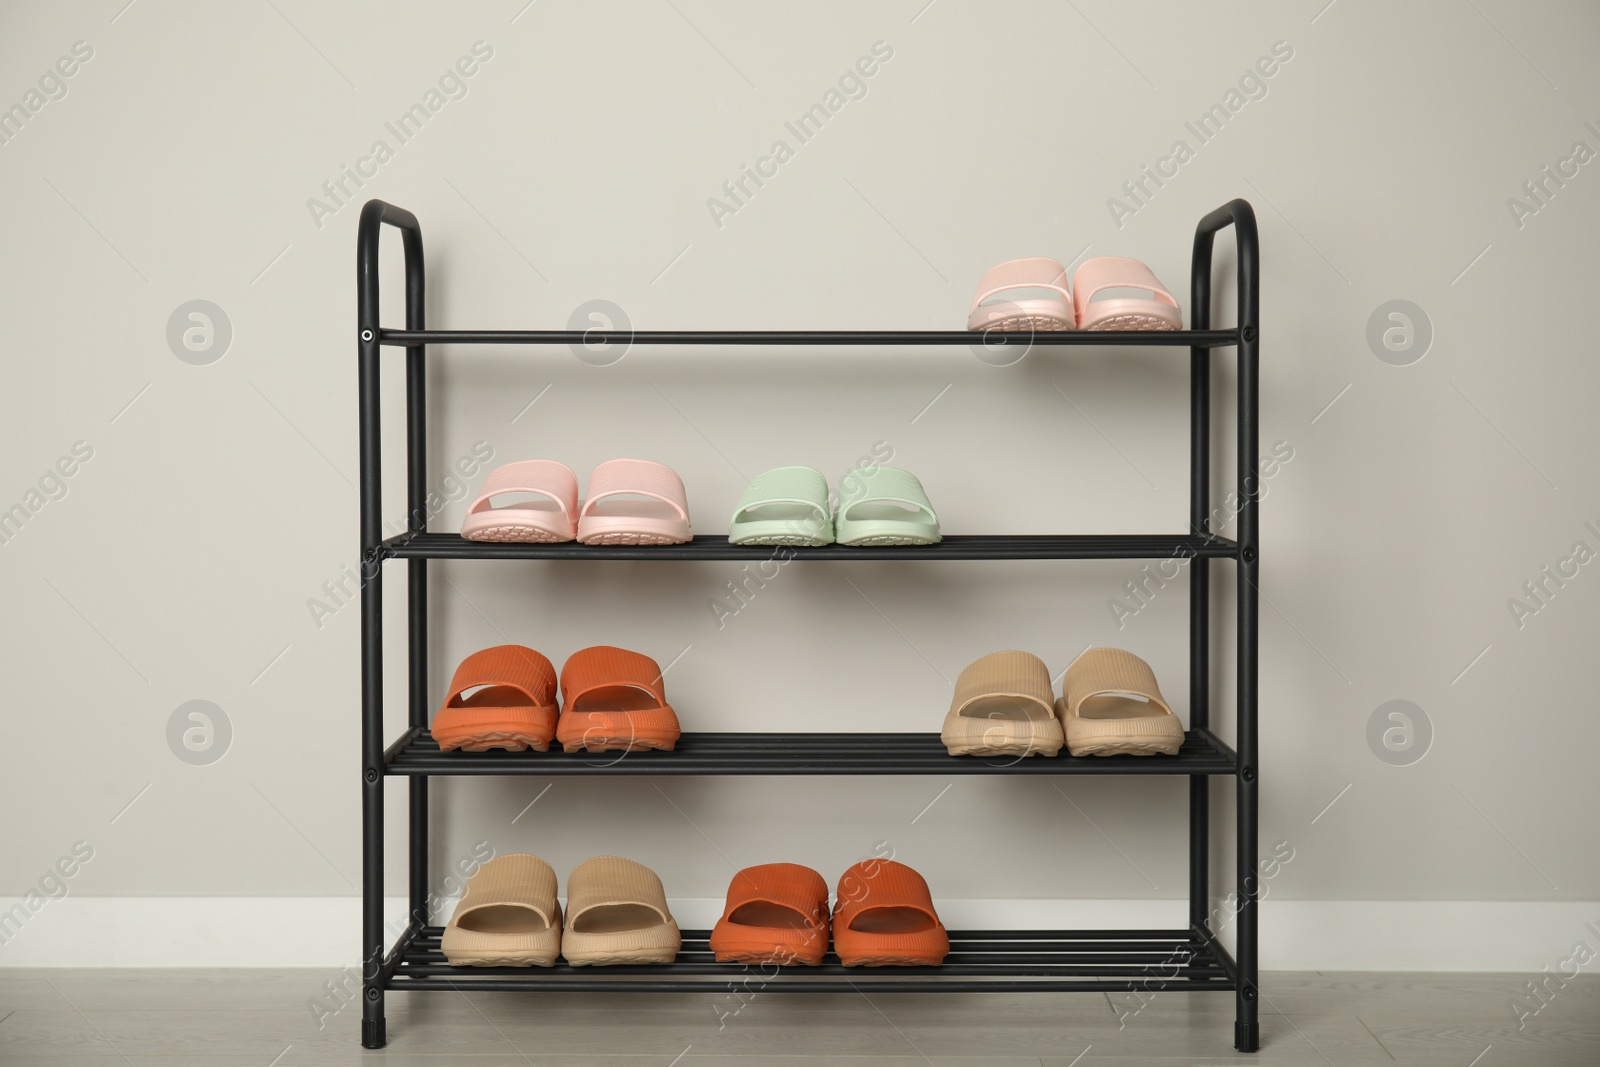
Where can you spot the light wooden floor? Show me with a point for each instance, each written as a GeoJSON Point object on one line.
{"type": "Point", "coordinates": [51, 1018]}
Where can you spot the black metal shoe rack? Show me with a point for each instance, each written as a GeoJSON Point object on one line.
{"type": "Point", "coordinates": [980, 960]}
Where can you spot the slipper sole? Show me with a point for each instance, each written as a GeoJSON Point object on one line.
{"type": "Point", "coordinates": [767, 953]}
{"type": "Point", "coordinates": [632, 537]}
{"type": "Point", "coordinates": [483, 741]}
{"type": "Point", "coordinates": [607, 959]}
{"type": "Point", "coordinates": [1022, 324]}
{"type": "Point", "coordinates": [744, 944]}
{"type": "Point", "coordinates": [653, 944]}
{"type": "Point", "coordinates": [490, 958]}
{"type": "Point", "coordinates": [888, 539]}
{"type": "Point", "coordinates": [516, 533]}
{"type": "Point", "coordinates": [477, 734]}
{"type": "Point", "coordinates": [1117, 323]}
{"type": "Point", "coordinates": [930, 960]}
{"type": "Point", "coordinates": [1130, 747]}
{"type": "Point", "coordinates": [594, 743]}
{"type": "Point", "coordinates": [619, 731]}
{"type": "Point", "coordinates": [792, 540]}
{"type": "Point", "coordinates": [1013, 748]}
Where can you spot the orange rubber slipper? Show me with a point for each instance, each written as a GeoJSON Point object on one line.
{"type": "Point", "coordinates": [613, 699]}
{"type": "Point", "coordinates": [776, 913]}
{"type": "Point", "coordinates": [513, 705]}
{"type": "Point", "coordinates": [884, 917]}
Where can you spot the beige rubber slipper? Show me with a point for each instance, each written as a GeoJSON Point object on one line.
{"type": "Point", "coordinates": [1111, 706]}
{"type": "Point", "coordinates": [617, 913]}
{"type": "Point", "coordinates": [1002, 707]}
{"type": "Point", "coordinates": [508, 916]}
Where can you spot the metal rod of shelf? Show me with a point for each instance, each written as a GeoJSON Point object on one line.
{"type": "Point", "coordinates": [861, 984]}
{"type": "Point", "coordinates": [816, 338]}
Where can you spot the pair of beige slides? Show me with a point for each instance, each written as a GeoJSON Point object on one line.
{"type": "Point", "coordinates": [1110, 705]}
{"type": "Point", "coordinates": [509, 916]}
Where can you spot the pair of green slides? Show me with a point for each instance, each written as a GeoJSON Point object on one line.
{"type": "Point", "coordinates": [874, 506]}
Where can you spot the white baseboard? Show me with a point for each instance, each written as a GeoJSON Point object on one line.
{"type": "Point", "coordinates": [1296, 935]}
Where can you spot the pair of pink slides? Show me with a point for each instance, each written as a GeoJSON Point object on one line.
{"type": "Point", "coordinates": [630, 502]}
{"type": "Point", "coordinates": [1096, 301]}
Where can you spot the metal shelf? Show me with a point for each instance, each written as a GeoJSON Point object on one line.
{"type": "Point", "coordinates": [416, 753]}
{"type": "Point", "coordinates": [959, 546]}
{"type": "Point", "coordinates": [980, 961]}
{"type": "Point", "coordinates": [1017, 961]}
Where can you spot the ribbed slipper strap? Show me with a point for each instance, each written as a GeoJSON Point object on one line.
{"type": "Point", "coordinates": [511, 665]}
{"type": "Point", "coordinates": [1020, 676]}
{"type": "Point", "coordinates": [610, 880]}
{"type": "Point", "coordinates": [518, 880]}
{"type": "Point", "coordinates": [1100, 671]}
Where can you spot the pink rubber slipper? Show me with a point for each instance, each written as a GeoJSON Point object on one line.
{"type": "Point", "coordinates": [634, 502]}
{"type": "Point", "coordinates": [1158, 311]}
{"type": "Point", "coordinates": [1049, 308]}
{"type": "Point", "coordinates": [551, 514]}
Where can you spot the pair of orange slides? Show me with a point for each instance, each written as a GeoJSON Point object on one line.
{"type": "Point", "coordinates": [505, 697]}
{"type": "Point", "coordinates": [776, 913]}
{"type": "Point", "coordinates": [882, 917]}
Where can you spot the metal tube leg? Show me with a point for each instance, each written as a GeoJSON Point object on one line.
{"type": "Point", "coordinates": [372, 1022]}
{"type": "Point", "coordinates": [1200, 611]}
{"type": "Point", "coordinates": [417, 569]}
{"type": "Point", "coordinates": [417, 578]}
{"type": "Point", "coordinates": [1247, 1030]}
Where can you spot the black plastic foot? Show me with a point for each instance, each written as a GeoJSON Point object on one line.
{"type": "Point", "coordinates": [373, 1033]}
{"type": "Point", "coordinates": [1247, 1037]}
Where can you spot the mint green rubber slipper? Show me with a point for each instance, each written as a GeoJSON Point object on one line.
{"type": "Point", "coordinates": [784, 506]}
{"type": "Point", "coordinates": [884, 506]}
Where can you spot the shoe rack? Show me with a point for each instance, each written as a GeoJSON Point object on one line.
{"type": "Point", "coordinates": [1188, 958]}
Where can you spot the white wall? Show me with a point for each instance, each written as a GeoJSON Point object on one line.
{"type": "Point", "coordinates": [183, 558]}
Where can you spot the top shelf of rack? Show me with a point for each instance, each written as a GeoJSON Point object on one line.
{"type": "Point", "coordinates": [993, 339]}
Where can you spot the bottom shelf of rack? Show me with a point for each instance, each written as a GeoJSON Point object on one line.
{"type": "Point", "coordinates": [1037, 961]}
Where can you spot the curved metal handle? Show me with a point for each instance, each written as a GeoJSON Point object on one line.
{"type": "Point", "coordinates": [374, 214]}
{"type": "Point", "coordinates": [1242, 217]}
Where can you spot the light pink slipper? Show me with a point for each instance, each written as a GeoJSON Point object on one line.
{"type": "Point", "coordinates": [1158, 311]}
{"type": "Point", "coordinates": [550, 516]}
{"type": "Point", "coordinates": [1048, 308]}
{"type": "Point", "coordinates": [634, 502]}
